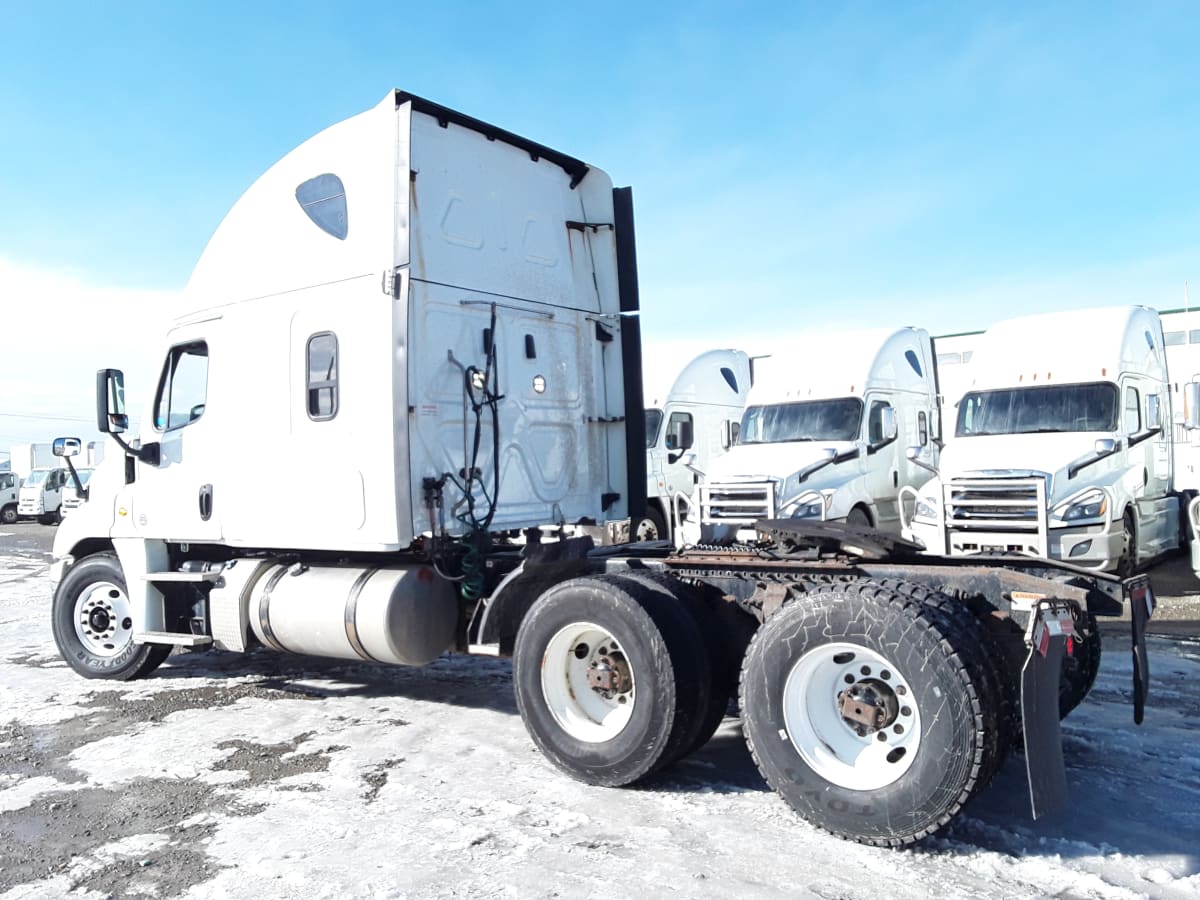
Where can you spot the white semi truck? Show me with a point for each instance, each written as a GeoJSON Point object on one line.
{"type": "Point", "coordinates": [445, 313]}
{"type": "Point", "coordinates": [823, 436]}
{"type": "Point", "coordinates": [687, 428]}
{"type": "Point", "coordinates": [1062, 445]}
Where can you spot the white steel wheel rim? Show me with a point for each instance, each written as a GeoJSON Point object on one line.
{"type": "Point", "coordinates": [586, 714]}
{"type": "Point", "coordinates": [833, 746]}
{"type": "Point", "coordinates": [103, 619]}
{"type": "Point", "coordinates": [647, 530]}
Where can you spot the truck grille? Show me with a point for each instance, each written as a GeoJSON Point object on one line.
{"type": "Point", "coordinates": [997, 514]}
{"type": "Point", "coordinates": [738, 503]}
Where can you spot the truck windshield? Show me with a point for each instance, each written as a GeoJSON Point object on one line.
{"type": "Point", "coordinates": [37, 476]}
{"type": "Point", "coordinates": [84, 476]}
{"type": "Point", "coordinates": [1066, 407]}
{"type": "Point", "coordinates": [654, 419]}
{"type": "Point", "coordinates": [812, 420]}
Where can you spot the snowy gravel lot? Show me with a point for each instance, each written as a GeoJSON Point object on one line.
{"type": "Point", "coordinates": [270, 776]}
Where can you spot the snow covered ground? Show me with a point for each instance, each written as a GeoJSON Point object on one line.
{"type": "Point", "coordinates": [270, 776]}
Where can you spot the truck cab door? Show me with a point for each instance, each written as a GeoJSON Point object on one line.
{"type": "Point", "coordinates": [882, 461]}
{"type": "Point", "coordinates": [176, 499]}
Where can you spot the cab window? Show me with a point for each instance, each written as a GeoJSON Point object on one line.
{"type": "Point", "coordinates": [184, 386]}
{"type": "Point", "coordinates": [875, 433]}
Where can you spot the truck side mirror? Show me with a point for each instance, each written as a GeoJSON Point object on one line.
{"type": "Point", "coordinates": [1191, 405]}
{"type": "Point", "coordinates": [685, 435]}
{"type": "Point", "coordinates": [67, 446]}
{"type": "Point", "coordinates": [111, 417]}
{"type": "Point", "coordinates": [1105, 446]}
{"type": "Point", "coordinates": [1153, 412]}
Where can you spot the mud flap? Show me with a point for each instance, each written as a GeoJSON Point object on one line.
{"type": "Point", "coordinates": [1050, 629]}
{"type": "Point", "coordinates": [1141, 600]}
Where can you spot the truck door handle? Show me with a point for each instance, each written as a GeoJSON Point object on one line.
{"type": "Point", "coordinates": [206, 502]}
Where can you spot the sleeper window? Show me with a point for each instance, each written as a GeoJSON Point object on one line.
{"type": "Point", "coordinates": [1133, 411]}
{"type": "Point", "coordinates": [322, 376]}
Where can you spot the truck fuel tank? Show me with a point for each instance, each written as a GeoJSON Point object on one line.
{"type": "Point", "coordinates": [404, 615]}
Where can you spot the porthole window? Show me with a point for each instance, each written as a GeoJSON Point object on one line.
{"type": "Point", "coordinates": [323, 199]}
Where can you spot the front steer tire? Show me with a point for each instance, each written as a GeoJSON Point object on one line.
{"type": "Point", "coordinates": [91, 623]}
{"type": "Point", "coordinates": [656, 710]}
{"type": "Point", "coordinates": [875, 641]}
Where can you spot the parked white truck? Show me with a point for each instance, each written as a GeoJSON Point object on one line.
{"type": "Point", "coordinates": [444, 313]}
{"type": "Point", "coordinates": [687, 428]}
{"type": "Point", "coordinates": [24, 458]}
{"type": "Point", "coordinates": [40, 495]}
{"type": "Point", "coordinates": [823, 436]}
{"type": "Point", "coordinates": [10, 482]}
{"type": "Point", "coordinates": [1062, 446]}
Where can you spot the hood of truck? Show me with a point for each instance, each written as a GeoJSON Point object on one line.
{"type": "Point", "coordinates": [765, 462]}
{"type": "Point", "coordinates": [1017, 455]}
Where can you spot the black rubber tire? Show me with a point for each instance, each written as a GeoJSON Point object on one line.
{"type": "Point", "coordinates": [8, 515]}
{"type": "Point", "coordinates": [1080, 668]}
{"type": "Point", "coordinates": [666, 653]}
{"type": "Point", "coordinates": [1127, 565]}
{"type": "Point", "coordinates": [652, 520]}
{"type": "Point", "coordinates": [858, 518]}
{"type": "Point", "coordinates": [722, 651]}
{"type": "Point", "coordinates": [134, 660]}
{"type": "Point", "coordinates": [958, 711]}
{"type": "Point", "coordinates": [990, 668]}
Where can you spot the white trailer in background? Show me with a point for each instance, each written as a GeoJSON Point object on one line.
{"type": "Point", "coordinates": [24, 458]}
{"type": "Point", "coordinates": [444, 314]}
{"type": "Point", "coordinates": [1062, 446]}
{"type": "Point", "coordinates": [688, 427]}
{"type": "Point", "coordinates": [823, 436]}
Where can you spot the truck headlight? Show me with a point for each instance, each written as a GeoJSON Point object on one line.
{"type": "Point", "coordinates": [811, 510]}
{"type": "Point", "coordinates": [926, 508]}
{"type": "Point", "coordinates": [1091, 505]}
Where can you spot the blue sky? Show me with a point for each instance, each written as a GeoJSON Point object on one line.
{"type": "Point", "coordinates": [795, 166]}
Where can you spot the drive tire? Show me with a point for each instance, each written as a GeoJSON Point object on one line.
{"type": "Point", "coordinates": [97, 583]}
{"type": "Point", "coordinates": [722, 649]}
{"type": "Point", "coordinates": [665, 655]}
{"type": "Point", "coordinates": [853, 784]}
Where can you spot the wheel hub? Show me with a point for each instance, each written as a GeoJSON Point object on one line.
{"type": "Point", "coordinates": [609, 675]}
{"type": "Point", "coordinates": [868, 706]}
{"type": "Point", "coordinates": [103, 619]}
{"type": "Point", "coordinates": [98, 619]}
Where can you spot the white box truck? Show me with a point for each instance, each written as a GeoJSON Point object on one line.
{"type": "Point", "coordinates": [40, 495]}
{"type": "Point", "coordinates": [24, 458]}
{"type": "Point", "coordinates": [444, 313]}
{"type": "Point", "coordinates": [1062, 445]}
{"type": "Point", "coordinates": [823, 436]}
{"type": "Point", "coordinates": [9, 484]}
{"type": "Point", "coordinates": [687, 427]}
